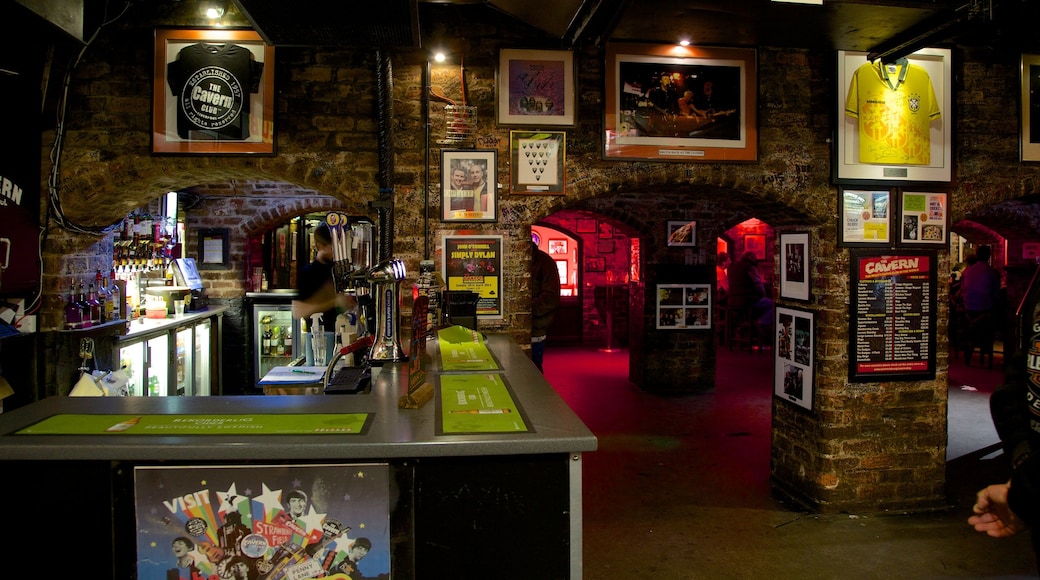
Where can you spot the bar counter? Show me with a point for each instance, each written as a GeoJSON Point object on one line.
{"type": "Point", "coordinates": [534, 474]}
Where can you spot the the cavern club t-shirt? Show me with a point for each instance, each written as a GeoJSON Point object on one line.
{"type": "Point", "coordinates": [212, 84]}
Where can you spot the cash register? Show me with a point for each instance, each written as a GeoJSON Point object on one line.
{"type": "Point", "coordinates": [186, 274]}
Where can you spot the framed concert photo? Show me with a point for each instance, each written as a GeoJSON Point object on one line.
{"type": "Point", "coordinates": [535, 88]}
{"type": "Point", "coordinates": [468, 185]}
{"type": "Point", "coordinates": [795, 276]}
{"type": "Point", "coordinates": [794, 367]}
{"type": "Point", "coordinates": [538, 162]}
{"type": "Point", "coordinates": [901, 134]}
{"type": "Point", "coordinates": [672, 103]}
{"type": "Point", "coordinates": [213, 93]}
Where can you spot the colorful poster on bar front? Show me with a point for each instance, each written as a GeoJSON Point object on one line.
{"type": "Point", "coordinates": [478, 403]}
{"type": "Point", "coordinates": [277, 522]}
{"type": "Point", "coordinates": [474, 263]}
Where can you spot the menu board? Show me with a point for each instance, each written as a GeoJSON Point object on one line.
{"type": "Point", "coordinates": [892, 315]}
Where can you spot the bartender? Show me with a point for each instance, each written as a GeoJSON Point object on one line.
{"type": "Point", "coordinates": [317, 294]}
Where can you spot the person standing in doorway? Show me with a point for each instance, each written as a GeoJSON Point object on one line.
{"type": "Point", "coordinates": [317, 294]}
{"type": "Point", "coordinates": [545, 300]}
{"type": "Point", "coordinates": [746, 289]}
{"type": "Point", "coordinates": [980, 293]}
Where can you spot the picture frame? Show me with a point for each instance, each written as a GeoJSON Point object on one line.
{"type": "Point", "coordinates": [585, 225]}
{"type": "Point", "coordinates": [595, 264]}
{"type": "Point", "coordinates": [755, 243]}
{"type": "Point", "coordinates": [682, 234]}
{"type": "Point", "coordinates": [642, 123]}
{"type": "Point", "coordinates": [865, 217]}
{"type": "Point", "coordinates": [795, 274]}
{"type": "Point", "coordinates": [213, 249]}
{"type": "Point", "coordinates": [468, 185]}
{"type": "Point", "coordinates": [794, 367]}
{"type": "Point", "coordinates": [537, 162]}
{"type": "Point", "coordinates": [684, 306]}
{"type": "Point", "coordinates": [195, 113]}
{"type": "Point", "coordinates": [557, 246]}
{"type": "Point", "coordinates": [535, 88]}
{"type": "Point", "coordinates": [927, 72]}
{"type": "Point", "coordinates": [1029, 132]}
{"type": "Point", "coordinates": [604, 231]}
{"type": "Point", "coordinates": [924, 218]}
{"type": "Point", "coordinates": [474, 263]}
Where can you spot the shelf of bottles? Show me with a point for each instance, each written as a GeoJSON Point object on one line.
{"type": "Point", "coordinates": [93, 304]}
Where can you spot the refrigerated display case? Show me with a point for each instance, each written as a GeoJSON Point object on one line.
{"type": "Point", "coordinates": [172, 357]}
{"type": "Point", "coordinates": [274, 334]}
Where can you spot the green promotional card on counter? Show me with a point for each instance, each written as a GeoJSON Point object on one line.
{"type": "Point", "coordinates": [291, 424]}
{"type": "Point", "coordinates": [478, 403]}
{"type": "Point", "coordinates": [463, 349]}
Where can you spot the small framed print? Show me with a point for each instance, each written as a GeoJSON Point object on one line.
{"type": "Point", "coordinates": [794, 266]}
{"type": "Point", "coordinates": [468, 192]}
{"type": "Point", "coordinates": [684, 306]}
{"type": "Point", "coordinates": [595, 264]}
{"type": "Point", "coordinates": [213, 93]}
{"type": "Point", "coordinates": [683, 234]}
{"type": "Point", "coordinates": [213, 249]}
{"type": "Point", "coordinates": [1030, 102]}
{"type": "Point", "coordinates": [537, 162]}
{"type": "Point", "coordinates": [918, 148]}
{"type": "Point", "coordinates": [865, 217]}
{"type": "Point", "coordinates": [536, 88]}
{"type": "Point", "coordinates": [923, 219]}
{"type": "Point", "coordinates": [557, 246]}
{"type": "Point", "coordinates": [795, 348]}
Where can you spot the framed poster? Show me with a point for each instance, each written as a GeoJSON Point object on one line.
{"type": "Point", "coordinates": [892, 315]}
{"type": "Point", "coordinates": [924, 219]}
{"type": "Point", "coordinates": [794, 266]}
{"type": "Point", "coordinates": [537, 162]}
{"type": "Point", "coordinates": [1030, 102]}
{"type": "Point", "coordinates": [865, 217]}
{"type": "Point", "coordinates": [474, 263]}
{"type": "Point", "coordinates": [684, 306]}
{"type": "Point", "coordinates": [894, 119]}
{"type": "Point", "coordinates": [468, 192]}
{"type": "Point", "coordinates": [213, 249]}
{"type": "Point", "coordinates": [795, 364]}
{"type": "Point", "coordinates": [535, 87]}
{"type": "Point", "coordinates": [682, 233]}
{"type": "Point", "coordinates": [558, 246]}
{"type": "Point", "coordinates": [213, 93]}
{"type": "Point", "coordinates": [671, 103]}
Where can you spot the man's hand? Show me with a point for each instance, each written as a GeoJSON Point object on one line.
{"type": "Point", "coordinates": [992, 514]}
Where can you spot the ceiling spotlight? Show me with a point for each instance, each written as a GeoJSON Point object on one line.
{"type": "Point", "coordinates": [214, 9]}
{"type": "Point", "coordinates": [684, 42]}
{"type": "Point", "coordinates": [439, 57]}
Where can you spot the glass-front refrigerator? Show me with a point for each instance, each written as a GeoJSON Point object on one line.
{"type": "Point", "coordinates": [147, 365]}
{"type": "Point", "coordinates": [275, 335]}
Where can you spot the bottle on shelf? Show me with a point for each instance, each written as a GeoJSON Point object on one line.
{"type": "Point", "coordinates": [287, 341]}
{"type": "Point", "coordinates": [277, 346]}
{"type": "Point", "coordinates": [266, 344]}
{"type": "Point", "coordinates": [115, 297]}
{"type": "Point", "coordinates": [84, 306]}
{"type": "Point", "coordinates": [73, 313]}
{"type": "Point", "coordinates": [95, 305]}
{"type": "Point", "coordinates": [101, 287]}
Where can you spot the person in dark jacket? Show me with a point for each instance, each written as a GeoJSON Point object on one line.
{"type": "Point", "coordinates": [545, 299]}
{"type": "Point", "coordinates": [746, 289]}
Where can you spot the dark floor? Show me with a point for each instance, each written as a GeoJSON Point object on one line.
{"type": "Point", "coordinates": [679, 486]}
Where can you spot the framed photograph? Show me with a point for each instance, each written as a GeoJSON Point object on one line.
{"type": "Point", "coordinates": [468, 192]}
{"type": "Point", "coordinates": [755, 243]}
{"type": "Point", "coordinates": [682, 234]}
{"type": "Point", "coordinates": [213, 93]}
{"type": "Point", "coordinates": [684, 306]}
{"type": "Point", "coordinates": [585, 225]}
{"type": "Point", "coordinates": [213, 249]}
{"type": "Point", "coordinates": [535, 87]}
{"type": "Point", "coordinates": [795, 364]}
{"type": "Point", "coordinates": [537, 162]}
{"type": "Point", "coordinates": [924, 218]}
{"type": "Point", "coordinates": [894, 119]}
{"type": "Point", "coordinates": [670, 103]}
{"type": "Point", "coordinates": [605, 231]}
{"type": "Point", "coordinates": [1030, 103]}
{"type": "Point", "coordinates": [595, 264]}
{"type": "Point", "coordinates": [794, 266]}
{"type": "Point", "coordinates": [557, 246]}
{"type": "Point", "coordinates": [865, 217]}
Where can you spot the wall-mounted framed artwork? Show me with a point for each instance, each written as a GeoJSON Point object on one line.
{"type": "Point", "coordinates": [794, 378]}
{"type": "Point", "coordinates": [535, 88]}
{"type": "Point", "coordinates": [605, 231]}
{"type": "Point", "coordinates": [894, 119]}
{"type": "Point", "coordinates": [924, 218]}
{"type": "Point", "coordinates": [795, 278]}
{"type": "Point", "coordinates": [474, 263]}
{"type": "Point", "coordinates": [595, 264]}
{"type": "Point", "coordinates": [865, 216]}
{"type": "Point", "coordinates": [669, 103]}
{"type": "Point", "coordinates": [468, 178]}
{"type": "Point", "coordinates": [755, 243]}
{"type": "Point", "coordinates": [213, 249]}
{"type": "Point", "coordinates": [684, 306]}
{"type": "Point", "coordinates": [537, 162]}
{"type": "Point", "coordinates": [213, 93]}
{"type": "Point", "coordinates": [682, 233]}
{"type": "Point", "coordinates": [557, 246]}
{"type": "Point", "coordinates": [1029, 148]}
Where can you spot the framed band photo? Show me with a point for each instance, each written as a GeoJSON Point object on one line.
{"type": "Point", "coordinates": [865, 217]}
{"type": "Point", "coordinates": [468, 185]}
{"type": "Point", "coordinates": [795, 363]}
{"type": "Point", "coordinates": [923, 219]}
{"type": "Point", "coordinates": [670, 103]}
{"type": "Point", "coordinates": [794, 266]}
{"type": "Point", "coordinates": [894, 119]}
{"type": "Point", "coordinates": [536, 88]}
{"type": "Point", "coordinates": [1030, 103]}
{"type": "Point", "coordinates": [538, 161]}
{"type": "Point", "coordinates": [684, 306]}
{"type": "Point", "coordinates": [213, 93]}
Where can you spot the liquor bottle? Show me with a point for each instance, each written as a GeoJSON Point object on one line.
{"type": "Point", "coordinates": [95, 306]}
{"type": "Point", "coordinates": [73, 314]}
{"type": "Point", "coordinates": [101, 285]}
{"type": "Point", "coordinates": [84, 307]}
{"type": "Point", "coordinates": [115, 297]}
{"type": "Point", "coordinates": [288, 342]}
{"type": "Point", "coordinates": [266, 349]}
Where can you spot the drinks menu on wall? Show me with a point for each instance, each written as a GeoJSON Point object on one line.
{"type": "Point", "coordinates": [892, 315]}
